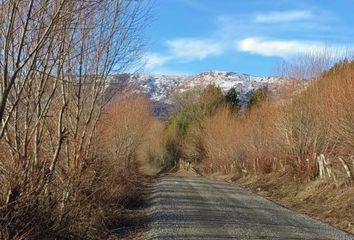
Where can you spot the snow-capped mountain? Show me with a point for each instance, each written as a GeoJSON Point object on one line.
{"type": "Point", "coordinates": [161, 89]}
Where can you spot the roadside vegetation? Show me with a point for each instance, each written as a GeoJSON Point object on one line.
{"type": "Point", "coordinates": [303, 134]}
{"type": "Point", "coordinates": [69, 159]}
{"type": "Point", "coordinates": [285, 133]}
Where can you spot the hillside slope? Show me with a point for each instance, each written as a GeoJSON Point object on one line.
{"type": "Point", "coordinates": [162, 89]}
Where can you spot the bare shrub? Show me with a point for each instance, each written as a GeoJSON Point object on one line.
{"type": "Point", "coordinates": [123, 128]}
{"type": "Point", "coordinates": [115, 172]}
{"type": "Point", "coordinates": [151, 152]}
{"type": "Point", "coordinates": [55, 65]}
{"type": "Point", "coordinates": [319, 119]}
{"type": "Point", "coordinates": [311, 117]}
{"type": "Point", "coordinates": [243, 143]}
{"type": "Point", "coordinates": [304, 132]}
{"type": "Point", "coordinates": [337, 88]}
{"type": "Point", "coordinates": [222, 138]}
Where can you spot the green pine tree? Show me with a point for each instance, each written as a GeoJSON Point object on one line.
{"type": "Point", "coordinates": [258, 96]}
{"type": "Point", "coordinates": [231, 98]}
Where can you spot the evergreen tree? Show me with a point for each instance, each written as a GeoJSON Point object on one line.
{"type": "Point", "coordinates": [231, 98]}
{"type": "Point", "coordinates": [210, 99]}
{"type": "Point", "coordinates": [258, 96]}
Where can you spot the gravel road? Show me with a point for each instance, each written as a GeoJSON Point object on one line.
{"type": "Point", "coordinates": [198, 208]}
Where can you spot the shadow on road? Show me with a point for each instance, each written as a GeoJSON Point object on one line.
{"type": "Point", "coordinates": [133, 220]}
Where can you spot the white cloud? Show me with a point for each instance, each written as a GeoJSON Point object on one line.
{"type": "Point", "coordinates": [283, 48]}
{"type": "Point", "coordinates": [154, 60]}
{"type": "Point", "coordinates": [285, 16]}
{"type": "Point", "coordinates": [193, 49]}
{"type": "Point", "coordinates": [183, 49]}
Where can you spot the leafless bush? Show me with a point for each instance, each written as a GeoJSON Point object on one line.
{"type": "Point", "coordinates": [123, 128]}
{"type": "Point", "coordinates": [222, 139]}
{"type": "Point", "coordinates": [55, 62]}
{"type": "Point", "coordinates": [245, 143]}
{"type": "Point", "coordinates": [287, 134]}
{"type": "Point", "coordinates": [337, 89]}
{"type": "Point", "coordinates": [304, 132]}
{"type": "Point", "coordinates": [151, 152]}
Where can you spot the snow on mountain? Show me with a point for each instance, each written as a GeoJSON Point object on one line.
{"type": "Point", "coordinates": [160, 89]}
{"type": "Point", "coordinates": [243, 83]}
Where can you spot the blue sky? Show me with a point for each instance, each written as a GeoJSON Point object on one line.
{"type": "Point", "coordinates": [248, 36]}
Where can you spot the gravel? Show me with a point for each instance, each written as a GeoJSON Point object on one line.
{"type": "Point", "coordinates": [198, 208]}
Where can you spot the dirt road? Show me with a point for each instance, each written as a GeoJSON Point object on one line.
{"type": "Point", "coordinates": [197, 208]}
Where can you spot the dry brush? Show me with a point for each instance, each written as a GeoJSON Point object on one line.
{"type": "Point", "coordinates": [55, 63]}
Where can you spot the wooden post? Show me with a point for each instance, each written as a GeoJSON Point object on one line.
{"type": "Point", "coordinates": [321, 167]}
{"type": "Point", "coordinates": [327, 166]}
{"type": "Point", "coordinates": [324, 168]}
{"type": "Point", "coordinates": [349, 173]}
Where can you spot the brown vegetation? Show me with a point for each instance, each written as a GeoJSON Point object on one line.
{"type": "Point", "coordinates": [70, 161]}
{"type": "Point", "coordinates": [285, 135]}
{"type": "Point", "coordinates": [322, 200]}
{"type": "Point", "coordinates": [303, 137]}
{"type": "Point", "coordinates": [56, 59]}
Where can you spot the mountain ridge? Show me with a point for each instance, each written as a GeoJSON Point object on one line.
{"type": "Point", "coordinates": [161, 89]}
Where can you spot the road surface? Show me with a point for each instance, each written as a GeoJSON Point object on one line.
{"type": "Point", "coordinates": [197, 208]}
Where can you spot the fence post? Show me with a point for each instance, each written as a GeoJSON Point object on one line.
{"type": "Point", "coordinates": [349, 173]}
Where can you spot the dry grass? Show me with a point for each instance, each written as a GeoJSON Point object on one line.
{"type": "Point", "coordinates": [320, 199]}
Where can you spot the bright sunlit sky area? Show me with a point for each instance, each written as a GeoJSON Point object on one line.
{"type": "Point", "coordinates": [246, 36]}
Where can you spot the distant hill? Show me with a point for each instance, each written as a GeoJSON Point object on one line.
{"type": "Point", "coordinates": [162, 89]}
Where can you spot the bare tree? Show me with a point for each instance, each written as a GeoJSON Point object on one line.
{"type": "Point", "coordinates": [56, 58]}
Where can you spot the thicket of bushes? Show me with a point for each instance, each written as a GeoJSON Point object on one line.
{"type": "Point", "coordinates": [82, 203]}
{"type": "Point", "coordinates": [56, 59]}
{"type": "Point", "coordinates": [183, 129]}
{"type": "Point", "coordinates": [272, 135]}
